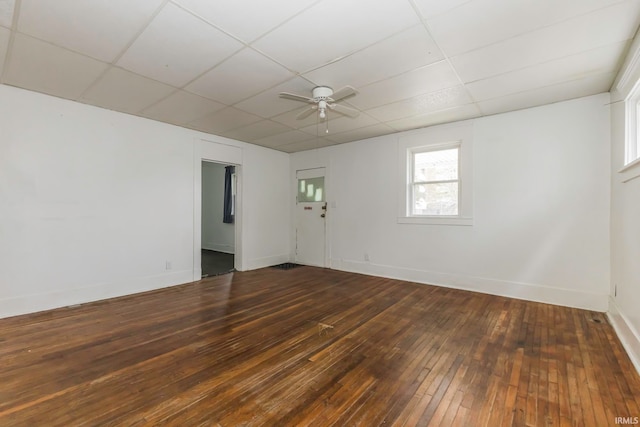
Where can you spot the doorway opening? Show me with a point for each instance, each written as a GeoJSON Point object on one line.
{"type": "Point", "coordinates": [218, 230]}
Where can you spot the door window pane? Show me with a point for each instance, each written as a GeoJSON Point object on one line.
{"type": "Point", "coordinates": [311, 190]}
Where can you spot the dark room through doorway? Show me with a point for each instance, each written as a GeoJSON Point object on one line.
{"type": "Point", "coordinates": [218, 218]}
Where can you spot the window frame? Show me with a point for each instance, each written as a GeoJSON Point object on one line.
{"type": "Point", "coordinates": [412, 184]}
{"type": "Point", "coordinates": [632, 128]}
{"type": "Point", "coordinates": [436, 138]}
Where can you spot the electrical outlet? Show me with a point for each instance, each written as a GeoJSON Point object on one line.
{"type": "Point", "coordinates": [366, 257]}
{"type": "Point", "coordinates": [168, 265]}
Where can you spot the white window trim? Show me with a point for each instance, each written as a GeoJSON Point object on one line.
{"type": "Point", "coordinates": [412, 164]}
{"type": "Point", "coordinates": [437, 138]}
{"type": "Point", "coordinates": [632, 143]}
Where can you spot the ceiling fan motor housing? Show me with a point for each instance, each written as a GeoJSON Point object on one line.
{"type": "Point", "coordinates": [321, 92]}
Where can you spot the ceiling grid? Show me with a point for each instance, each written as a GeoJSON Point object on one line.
{"type": "Point", "coordinates": [218, 67]}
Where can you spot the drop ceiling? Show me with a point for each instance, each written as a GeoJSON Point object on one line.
{"type": "Point", "coordinates": [218, 66]}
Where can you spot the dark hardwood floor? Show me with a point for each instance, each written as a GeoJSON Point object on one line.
{"type": "Point", "coordinates": [317, 347]}
{"type": "Point", "coordinates": [215, 263]}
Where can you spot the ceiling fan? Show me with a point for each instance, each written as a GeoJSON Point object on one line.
{"type": "Point", "coordinates": [323, 98]}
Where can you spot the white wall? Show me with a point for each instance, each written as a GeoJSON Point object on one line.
{"type": "Point", "coordinates": [541, 209]}
{"type": "Point", "coordinates": [624, 307]}
{"type": "Point", "coordinates": [216, 235]}
{"type": "Point", "coordinates": [93, 203]}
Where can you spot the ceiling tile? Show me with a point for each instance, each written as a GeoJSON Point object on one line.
{"type": "Point", "coordinates": [39, 66]}
{"type": "Point", "coordinates": [289, 137]}
{"type": "Point", "coordinates": [600, 28]}
{"type": "Point", "coordinates": [311, 144]}
{"type": "Point", "coordinates": [5, 34]}
{"type": "Point", "coordinates": [6, 12]}
{"type": "Point", "coordinates": [239, 17]}
{"type": "Point", "coordinates": [338, 123]}
{"type": "Point", "coordinates": [182, 107]}
{"type": "Point", "coordinates": [362, 133]}
{"type": "Point", "coordinates": [124, 91]}
{"type": "Point", "coordinates": [501, 20]}
{"type": "Point", "coordinates": [425, 103]}
{"type": "Point", "coordinates": [257, 130]}
{"type": "Point", "coordinates": [177, 47]}
{"type": "Point", "coordinates": [268, 104]}
{"type": "Point", "coordinates": [372, 64]}
{"type": "Point", "coordinates": [289, 118]}
{"type": "Point", "coordinates": [597, 61]}
{"type": "Point", "coordinates": [422, 80]}
{"type": "Point", "coordinates": [431, 8]}
{"type": "Point", "coordinates": [333, 28]}
{"type": "Point", "coordinates": [573, 89]}
{"type": "Point", "coordinates": [98, 28]}
{"type": "Point", "coordinates": [243, 75]}
{"type": "Point", "coordinates": [223, 121]}
{"type": "Point", "coordinates": [454, 114]}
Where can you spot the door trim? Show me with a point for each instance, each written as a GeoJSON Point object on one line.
{"type": "Point", "coordinates": [210, 151]}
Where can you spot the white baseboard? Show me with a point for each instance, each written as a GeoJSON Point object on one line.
{"type": "Point", "coordinates": [25, 304]}
{"type": "Point", "coordinates": [254, 264]}
{"type": "Point", "coordinates": [629, 337]}
{"type": "Point", "coordinates": [525, 291]}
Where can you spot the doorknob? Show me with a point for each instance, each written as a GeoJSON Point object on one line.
{"type": "Point", "coordinates": [323, 215]}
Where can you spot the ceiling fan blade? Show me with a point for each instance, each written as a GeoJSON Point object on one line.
{"type": "Point", "coordinates": [345, 92]}
{"type": "Point", "coordinates": [294, 97]}
{"type": "Point", "coordinates": [347, 111]}
{"type": "Point", "coordinates": [306, 113]}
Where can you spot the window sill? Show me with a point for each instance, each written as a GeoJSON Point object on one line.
{"type": "Point", "coordinates": [630, 171]}
{"type": "Point", "coordinates": [433, 220]}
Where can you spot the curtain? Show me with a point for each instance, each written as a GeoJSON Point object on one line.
{"type": "Point", "coordinates": [228, 194]}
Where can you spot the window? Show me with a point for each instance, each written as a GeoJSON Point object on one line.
{"type": "Point", "coordinates": [311, 190]}
{"type": "Point", "coordinates": [435, 183]}
{"type": "Point", "coordinates": [632, 107]}
{"type": "Point", "coordinates": [435, 176]}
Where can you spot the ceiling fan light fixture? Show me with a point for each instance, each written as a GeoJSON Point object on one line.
{"type": "Point", "coordinates": [322, 108]}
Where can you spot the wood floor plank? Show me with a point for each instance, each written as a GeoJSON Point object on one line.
{"type": "Point", "coordinates": [317, 347]}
